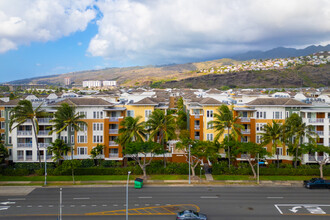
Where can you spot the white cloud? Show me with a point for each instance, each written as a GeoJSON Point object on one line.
{"type": "Point", "coordinates": [23, 22]}
{"type": "Point", "coordinates": [176, 30]}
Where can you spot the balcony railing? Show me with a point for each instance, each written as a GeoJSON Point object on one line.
{"type": "Point", "coordinates": [43, 145]}
{"type": "Point", "coordinates": [244, 156]}
{"type": "Point", "coordinates": [28, 157]}
{"type": "Point", "coordinates": [316, 120]}
{"type": "Point", "coordinates": [245, 119]}
{"type": "Point", "coordinates": [115, 119]}
{"type": "Point", "coordinates": [197, 127]}
{"type": "Point", "coordinates": [313, 158]}
{"type": "Point", "coordinates": [196, 137]}
{"type": "Point", "coordinates": [246, 131]}
{"type": "Point", "coordinates": [113, 131]}
{"type": "Point", "coordinates": [24, 144]}
{"type": "Point", "coordinates": [320, 133]}
{"type": "Point", "coordinates": [49, 156]}
{"type": "Point", "coordinates": [44, 120]}
{"type": "Point", "coordinates": [114, 155]}
{"type": "Point", "coordinates": [197, 115]}
{"type": "Point", "coordinates": [24, 133]}
{"type": "Point", "coordinates": [113, 143]}
{"type": "Point", "coordinates": [20, 158]}
{"type": "Point", "coordinates": [44, 132]}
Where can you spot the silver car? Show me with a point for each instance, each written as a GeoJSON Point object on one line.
{"type": "Point", "coordinates": [191, 215]}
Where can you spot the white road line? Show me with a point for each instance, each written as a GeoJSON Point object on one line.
{"type": "Point", "coordinates": [18, 206]}
{"type": "Point", "coordinates": [136, 204]}
{"type": "Point", "coordinates": [16, 199]}
{"type": "Point", "coordinates": [39, 206]}
{"type": "Point", "coordinates": [146, 204]}
{"type": "Point", "coordinates": [93, 205]}
{"type": "Point", "coordinates": [115, 205]}
{"type": "Point", "coordinates": [83, 205]}
{"type": "Point", "coordinates": [157, 204]}
{"type": "Point", "coordinates": [104, 205]}
{"type": "Point", "coordinates": [209, 197]}
{"type": "Point", "coordinates": [72, 205]}
{"type": "Point", "coordinates": [82, 198]}
{"type": "Point", "coordinates": [29, 206]}
{"type": "Point", "coordinates": [279, 209]}
{"type": "Point", "coordinates": [50, 206]}
{"type": "Point", "coordinates": [168, 204]}
{"type": "Point", "coordinates": [278, 197]}
{"type": "Point", "coordinates": [145, 197]}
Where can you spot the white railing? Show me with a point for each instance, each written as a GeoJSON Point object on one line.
{"type": "Point", "coordinates": [114, 155]}
{"type": "Point", "coordinates": [28, 157]}
{"type": "Point", "coordinates": [44, 132]}
{"type": "Point", "coordinates": [49, 156]}
{"type": "Point", "coordinates": [20, 158]}
{"type": "Point", "coordinates": [316, 120]}
{"type": "Point", "coordinates": [115, 119]}
{"type": "Point", "coordinates": [24, 144]}
{"type": "Point", "coordinates": [197, 115]}
{"type": "Point", "coordinates": [320, 133]}
{"type": "Point", "coordinates": [113, 131]}
{"type": "Point", "coordinates": [44, 120]}
{"type": "Point", "coordinates": [113, 143]}
{"type": "Point", "coordinates": [196, 137]}
{"type": "Point", "coordinates": [246, 131]}
{"type": "Point", "coordinates": [197, 127]}
{"type": "Point", "coordinates": [245, 119]}
{"type": "Point", "coordinates": [24, 133]}
{"type": "Point", "coordinates": [244, 156]}
{"type": "Point", "coordinates": [43, 145]}
{"type": "Point", "coordinates": [314, 158]}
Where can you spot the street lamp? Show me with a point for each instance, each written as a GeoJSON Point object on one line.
{"type": "Point", "coordinates": [258, 171]}
{"type": "Point", "coordinates": [189, 163]}
{"type": "Point", "coordinates": [129, 172]}
{"type": "Point", "coordinates": [200, 174]}
{"type": "Point", "coordinates": [45, 166]}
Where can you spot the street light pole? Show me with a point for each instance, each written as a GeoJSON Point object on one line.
{"type": "Point", "coordinates": [189, 164]}
{"type": "Point", "coordinates": [200, 174]}
{"type": "Point", "coordinates": [129, 172]}
{"type": "Point", "coordinates": [60, 203]}
{"type": "Point", "coordinates": [45, 166]}
{"type": "Point", "coordinates": [258, 171]}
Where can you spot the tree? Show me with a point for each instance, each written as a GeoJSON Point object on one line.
{"type": "Point", "coordinates": [225, 119]}
{"type": "Point", "coordinates": [198, 151]}
{"type": "Point", "coordinates": [273, 133]}
{"type": "Point", "coordinates": [250, 151]}
{"type": "Point", "coordinates": [3, 153]}
{"type": "Point", "coordinates": [131, 130]}
{"type": "Point", "coordinates": [24, 112]}
{"type": "Point", "coordinates": [58, 148]}
{"type": "Point", "coordinates": [67, 118]}
{"type": "Point", "coordinates": [97, 151]}
{"type": "Point", "coordinates": [161, 127]}
{"type": "Point", "coordinates": [147, 149]}
{"type": "Point", "coordinates": [322, 152]}
{"type": "Point", "coordinates": [296, 130]}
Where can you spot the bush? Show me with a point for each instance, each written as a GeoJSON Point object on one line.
{"type": "Point", "coordinates": [16, 172]}
{"type": "Point", "coordinates": [32, 166]}
{"type": "Point", "coordinates": [87, 163]}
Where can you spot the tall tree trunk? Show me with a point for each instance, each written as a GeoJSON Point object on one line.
{"type": "Point", "coordinates": [69, 141]}
{"type": "Point", "coordinates": [36, 139]}
{"type": "Point", "coordinates": [321, 169]}
{"type": "Point", "coordinates": [253, 170]}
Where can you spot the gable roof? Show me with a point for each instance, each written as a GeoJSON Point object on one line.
{"type": "Point", "coordinates": [277, 101]}
{"type": "Point", "coordinates": [85, 102]}
{"type": "Point", "coordinates": [146, 101]}
{"type": "Point", "coordinates": [209, 101]}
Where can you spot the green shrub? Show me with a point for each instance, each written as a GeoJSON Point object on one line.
{"type": "Point", "coordinates": [16, 172]}
{"type": "Point", "coordinates": [87, 163]}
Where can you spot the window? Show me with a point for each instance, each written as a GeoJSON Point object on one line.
{"type": "Point", "coordinates": [2, 125]}
{"type": "Point", "coordinates": [2, 114]}
{"type": "Point", "coordinates": [277, 115]}
{"type": "Point", "coordinates": [97, 126]}
{"type": "Point", "coordinates": [83, 127]}
{"type": "Point", "coordinates": [147, 113]}
{"type": "Point", "coordinates": [209, 114]}
{"type": "Point", "coordinates": [279, 151]}
{"type": "Point", "coordinates": [130, 113]}
{"type": "Point", "coordinates": [82, 150]}
{"type": "Point", "coordinates": [98, 115]}
{"type": "Point", "coordinates": [9, 140]}
{"type": "Point", "coordinates": [287, 114]}
{"type": "Point", "coordinates": [83, 113]}
{"type": "Point", "coordinates": [72, 139]}
{"type": "Point", "coordinates": [260, 126]}
{"type": "Point", "coordinates": [258, 139]}
{"type": "Point", "coordinates": [72, 128]}
{"type": "Point", "coordinates": [82, 139]}
{"type": "Point", "coordinates": [209, 137]}
{"type": "Point", "coordinates": [261, 114]}
{"type": "Point", "coordinates": [97, 139]}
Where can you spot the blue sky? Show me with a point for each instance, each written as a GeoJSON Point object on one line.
{"type": "Point", "coordinates": [41, 37]}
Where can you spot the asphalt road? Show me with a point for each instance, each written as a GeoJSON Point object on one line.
{"type": "Point", "coordinates": [162, 202]}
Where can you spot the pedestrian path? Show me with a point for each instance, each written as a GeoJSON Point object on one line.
{"type": "Point", "coordinates": [209, 177]}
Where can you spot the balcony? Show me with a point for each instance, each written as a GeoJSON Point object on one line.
{"type": "Point", "coordinates": [28, 157]}
{"type": "Point", "coordinates": [197, 115]}
{"type": "Point", "coordinates": [49, 156]}
{"type": "Point", "coordinates": [24, 133]}
{"type": "Point", "coordinates": [113, 131]}
{"type": "Point", "coordinates": [20, 158]}
{"type": "Point", "coordinates": [196, 137]}
{"type": "Point", "coordinates": [44, 120]}
{"type": "Point", "coordinates": [313, 158]}
{"type": "Point", "coordinates": [115, 119]}
{"type": "Point", "coordinates": [113, 143]}
{"type": "Point", "coordinates": [44, 132]}
{"type": "Point", "coordinates": [43, 145]}
{"type": "Point", "coordinates": [316, 120]}
{"type": "Point", "coordinates": [245, 119]}
{"type": "Point", "coordinates": [114, 155]}
{"type": "Point", "coordinates": [246, 131]}
{"type": "Point", "coordinates": [197, 127]}
{"type": "Point", "coordinates": [320, 133]}
{"type": "Point", "coordinates": [24, 145]}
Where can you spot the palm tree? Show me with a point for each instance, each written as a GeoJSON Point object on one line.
{"type": "Point", "coordinates": [273, 133]}
{"type": "Point", "coordinates": [225, 119]}
{"type": "Point", "coordinates": [58, 148]}
{"type": "Point", "coordinates": [161, 127]}
{"type": "Point", "coordinates": [297, 130]}
{"type": "Point", "coordinates": [67, 118]}
{"type": "Point", "coordinates": [24, 112]}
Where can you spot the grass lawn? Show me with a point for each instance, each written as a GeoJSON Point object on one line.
{"type": "Point", "coordinates": [246, 177]}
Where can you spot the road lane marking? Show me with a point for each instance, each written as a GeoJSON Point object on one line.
{"type": "Point", "coordinates": [18, 206]}
{"type": "Point", "coordinates": [275, 197]}
{"type": "Point", "coordinates": [209, 197]}
{"type": "Point", "coordinates": [303, 209]}
{"type": "Point", "coordinates": [81, 198]}
{"type": "Point", "coordinates": [72, 205]}
{"type": "Point", "coordinates": [83, 205]}
{"type": "Point", "coordinates": [50, 206]}
{"type": "Point", "coordinates": [16, 199]}
{"type": "Point", "coordinates": [39, 206]}
{"type": "Point", "coordinates": [104, 205]}
{"type": "Point", "coordinates": [29, 206]}
{"type": "Point", "coordinates": [7, 203]}
{"type": "Point", "coordinates": [93, 205]}
{"type": "Point", "coordinates": [115, 205]}
{"type": "Point", "coordinates": [4, 207]}
{"type": "Point", "coordinates": [145, 197]}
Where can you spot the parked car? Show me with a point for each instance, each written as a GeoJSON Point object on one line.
{"type": "Point", "coordinates": [317, 183]}
{"type": "Point", "coordinates": [191, 215]}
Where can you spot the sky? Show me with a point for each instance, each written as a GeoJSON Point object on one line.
{"type": "Point", "coordinates": [43, 37]}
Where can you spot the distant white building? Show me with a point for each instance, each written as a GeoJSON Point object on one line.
{"type": "Point", "coordinates": [92, 83]}
{"type": "Point", "coordinates": [67, 81]}
{"type": "Point", "coordinates": [109, 83]}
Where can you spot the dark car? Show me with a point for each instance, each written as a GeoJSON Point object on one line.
{"type": "Point", "coordinates": [317, 183]}
{"type": "Point", "coordinates": [191, 215]}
